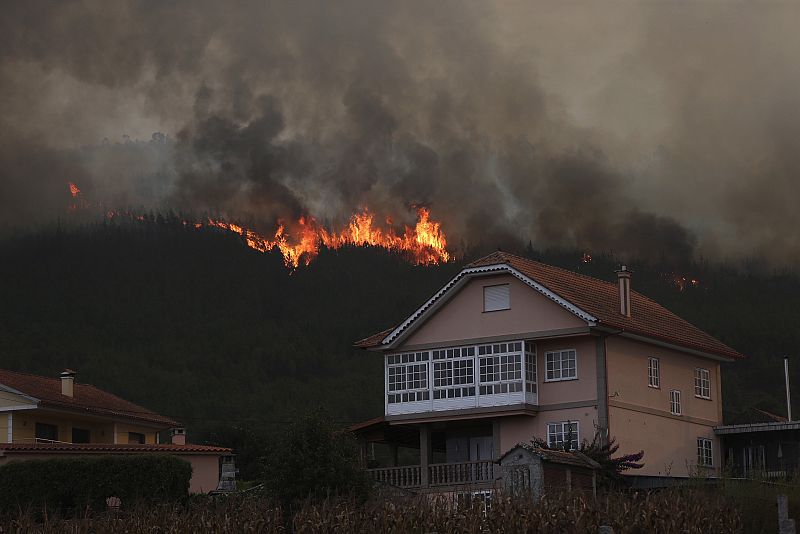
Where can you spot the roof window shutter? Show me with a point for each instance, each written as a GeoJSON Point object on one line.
{"type": "Point", "coordinates": [496, 298]}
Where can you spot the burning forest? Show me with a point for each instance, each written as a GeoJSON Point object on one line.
{"type": "Point", "coordinates": [424, 244]}
{"type": "Point", "coordinates": [299, 241]}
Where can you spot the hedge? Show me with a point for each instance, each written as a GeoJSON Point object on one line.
{"type": "Point", "coordinates": [74, 483]}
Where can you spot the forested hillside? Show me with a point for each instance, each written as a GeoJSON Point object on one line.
{"type": "Point", "coordinates": [195, 325]}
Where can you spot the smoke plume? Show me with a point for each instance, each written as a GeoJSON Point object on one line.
{"type": "Point", "coordinates": [649, 129]}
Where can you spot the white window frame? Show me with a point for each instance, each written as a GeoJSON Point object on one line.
{"type": "Point", "coordinates": [508, 299]}
{"type": "Point", "coordinates": [561, 428]}
{"type": "Point", "coordinates": [702, 383]}
{"type": "Point", "coordinates": [417, 364]}
{"type": "Point", "coordinates": [654, 373]}
{"type": "Point", "coordinates": [531, 385]}
{"type": "Point", "coordinates": [453, 372]}
{"type": "Point", "coordinates": [705, 452]}
{"type": "Point", "coordinates": [503, 363]}
{"type": "Point", "coordinates": [558, 365]}
{"type": "Point", "coordinates": [675, 407]}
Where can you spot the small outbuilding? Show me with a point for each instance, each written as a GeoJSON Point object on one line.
{"type": "Point", "coordinates": [529, 469]}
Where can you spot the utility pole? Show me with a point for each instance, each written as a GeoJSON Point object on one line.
{"type": "Point", "coordinates": [788, 396]}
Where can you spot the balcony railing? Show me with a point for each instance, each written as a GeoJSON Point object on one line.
{"type": "Point", "coordinates": [450, 474]}
{"type": "Point", "coordinates": [477, 472]}
{"type": "Point", "coordinates": [408, 476]}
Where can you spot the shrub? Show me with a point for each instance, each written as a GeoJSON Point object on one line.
{"type": "Point", "coordinates": [315, 459]}
{"type": "Point", "coordinates": [70, 483]}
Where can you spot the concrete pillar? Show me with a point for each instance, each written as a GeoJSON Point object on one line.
{"type": "Point", "coordinates": [496, 452]}
{"type": "Point", "coordinates": [424, 454]}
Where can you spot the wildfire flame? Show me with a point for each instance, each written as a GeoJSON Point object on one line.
{"type": "Point", "coordinates": [681, 282]}
{"type": "Point", "coordinates": [425, 244]}
{"type": "Point", "coordinates": [77, 197]}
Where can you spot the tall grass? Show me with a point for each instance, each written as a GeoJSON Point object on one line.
{"type": "Point", "coordinates": [672, 511]}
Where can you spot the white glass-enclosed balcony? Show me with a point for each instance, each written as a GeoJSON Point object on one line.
{"type": "Point", "coordinates": [461, 377]}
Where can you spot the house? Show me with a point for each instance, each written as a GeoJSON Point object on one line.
{"type": "Point", "coordinates": [43, 417]}
{"type": "Point", "coordinates": [511, 348]}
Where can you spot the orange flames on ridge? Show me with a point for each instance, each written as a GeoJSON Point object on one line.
{"type": "Point", "coordinates": [425, 243]}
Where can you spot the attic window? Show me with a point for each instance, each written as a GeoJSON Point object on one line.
{"type": "Point", "coordinates": [496, 298]}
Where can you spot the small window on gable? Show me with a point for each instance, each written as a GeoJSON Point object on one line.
{"type": "Point", "coordinates": [496, 298]}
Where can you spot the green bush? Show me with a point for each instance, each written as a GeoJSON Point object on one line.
{"type": "Point", "coordinates": [73, 483]}
{"type": "Point", "coordinates": [315, 460]}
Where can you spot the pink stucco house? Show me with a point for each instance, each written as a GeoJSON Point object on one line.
{"type": "Point", "coordinates": [53, 417]}
{"type": "Point", "coordinates": [512, 348]}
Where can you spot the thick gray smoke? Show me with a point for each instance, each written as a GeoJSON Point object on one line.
{"type": "Point", "coordinates": [651, 129]}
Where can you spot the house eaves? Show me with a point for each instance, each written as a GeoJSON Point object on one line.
{"type": "Point", "coordinates": [416, 319]}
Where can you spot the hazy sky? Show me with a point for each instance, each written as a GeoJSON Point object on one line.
{"type": "Point", "coordinates": [641, 127]}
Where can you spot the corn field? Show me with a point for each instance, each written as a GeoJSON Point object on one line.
{"type": "Point", "coordinates": [673, 511]}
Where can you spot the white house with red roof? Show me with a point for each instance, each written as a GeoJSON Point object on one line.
{"type": "Point", "coordinates": [43, 417]}
{"type": "Point", "coordinates": [511, 349]}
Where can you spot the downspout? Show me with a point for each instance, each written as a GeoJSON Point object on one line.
{"type": "Point", "coordinates": [603, 425]}
{"type": "Point", "coordinates": [602, 390]}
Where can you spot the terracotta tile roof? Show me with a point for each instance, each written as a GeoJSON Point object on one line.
{"type": "Point", "coordinates": [568, 458]}
{"type": "Point", "coordinates": [601, 299]}
{"type": "Point", "coordinates": [555, 456]}
{"type": "Point", "coordinates": [86, 398]}
{"type": "Point", "coordinates": [373, 340]}
{"type": "Point", "coordinates": [378, 421]}
{"type": "Point", "coordinates": [110, 448]}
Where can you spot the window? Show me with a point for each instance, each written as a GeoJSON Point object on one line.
{"type": "Point", "coordinates": [702, 383]}
{"type": "Point", "coordinates": [530, 367]}
{"type": "Point", "coordinates": [453, 373]}
{"type": "Point", "coordinates": [46, 432]}
{"type": "Point", "coordinates": [653, 373]}
{"type": "Point", "coordinates": [80, 435]}
{"type": "Point", "coordinates": [704, 452]}
{"type": "Point", "coordinates": [561, 365]}
{"type": "Point", "coordinates": [675, 402]}
{"type": "Point", "coordinates": [500, 367]}
{"type": "Point", "coordinates": [407, 377]}
{"type": "Point", "coordinates": [135, 437]}
{"type": "Point", "coordinates": [496, 298]}
{"type": "Point", "coordinates": [563, 435]}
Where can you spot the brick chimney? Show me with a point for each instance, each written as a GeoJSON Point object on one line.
{"type": "Point", "coordinates": [68, 382]}
{"type": "Point", "coordinates": [624, 283]}
{"type": "Point", "coordinates": [178, 436]}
